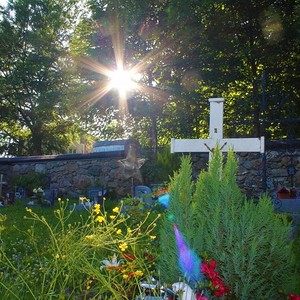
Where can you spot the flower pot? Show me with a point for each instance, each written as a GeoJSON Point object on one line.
{"type": "Point", "coordinates": [283, 195]}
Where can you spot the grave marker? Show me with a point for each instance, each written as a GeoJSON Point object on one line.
{"type": "Point", "coordinates": [216, 136]}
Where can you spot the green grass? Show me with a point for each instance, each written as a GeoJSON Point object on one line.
{"type": "Point", "coordinates": [19, 228]}
{"type": "Point", "coordinates": [53, 252]}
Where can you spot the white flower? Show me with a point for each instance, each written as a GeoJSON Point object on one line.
{"type": "Point", "coordinates": [40, 190]}
{"type": "Point", "coordinates": [111, 264]}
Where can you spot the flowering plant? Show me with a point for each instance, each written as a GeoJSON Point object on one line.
{"type": "Point", "coordinates": [38, 190]}
{"type": "Point", "coordinates": [198, 271]}
{"type": "Point", "coordinates": [294, 297]}
{"type": "Point", "coordinates": [38, 194]}
{"type": "Point", "coordinates": [216, 284]}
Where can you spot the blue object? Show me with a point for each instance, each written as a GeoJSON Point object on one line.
{"type": "Point", "coordinates": [141, 191]}
{"type": "Point", "coordinates": [164, 200]}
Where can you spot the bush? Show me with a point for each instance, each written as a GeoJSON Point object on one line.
{"type": "Point", "coordinates": [250, 244]}
{"type": "Point", "coordinates": [160, 170]}
{"type": "Point", "coordinates": [29, 181]}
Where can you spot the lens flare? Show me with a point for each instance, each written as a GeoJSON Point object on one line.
{"type": "Point", "coordinates": [122, 80]}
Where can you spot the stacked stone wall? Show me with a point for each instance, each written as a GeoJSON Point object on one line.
{"type": "Point", "coordinates": [73, 177]}
{"type": "Point", "coordinates": [254, 177]}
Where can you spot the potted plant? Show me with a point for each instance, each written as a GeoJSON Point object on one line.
{"type": "Point", "coordinates": [283, 193]}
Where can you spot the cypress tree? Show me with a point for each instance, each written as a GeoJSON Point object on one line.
{"type": "Point", "coordinates": [250, 244]}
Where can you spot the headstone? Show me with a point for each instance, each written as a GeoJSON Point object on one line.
{"type": "Point", "coordinates": [216, 136]}
{"type": "Point", "coordinates": [115, 146]}
{"type": "Point", "coordinates": [141, 191]}
{"type": "Point", "coordinates": [50, 195]}
{"type": "Point", "coordinates": [20, 193]}
{"type": "Point", "coordinates": [96, 194]}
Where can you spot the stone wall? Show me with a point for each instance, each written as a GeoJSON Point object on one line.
{"type": "Point", "coordinates": [258, 173]}
{"type": "Point", "coordinates": [73, 174]}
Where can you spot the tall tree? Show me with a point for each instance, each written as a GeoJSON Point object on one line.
{"type": "Point", "coordinates": [36, 85]}
{"type": "Point", "coordinates": [250, 52]}
{"type": "Point", "coordinates": [188, 51]}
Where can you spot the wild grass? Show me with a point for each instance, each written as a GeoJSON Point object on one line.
{"type": "Point", "coordinates": [57, 253]}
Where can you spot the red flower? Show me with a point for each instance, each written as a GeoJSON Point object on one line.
{"type": "Point", "coordinates": [208, 268]}
{"type": "Point", "coordinates": [148, 256]}
{"type": "Point", "coordinates": [200, 297]}
{"type": "Point", "coordinates": [294, 297]}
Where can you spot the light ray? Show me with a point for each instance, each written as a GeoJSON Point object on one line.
{"type": "Point", "coordinates": [96, 95]}
{"type": "Point", "coordinates": [121, 78]}
{"type": "Point", "coordinates": [94, 66]}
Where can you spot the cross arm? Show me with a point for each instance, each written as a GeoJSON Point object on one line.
{"type": "Point", "coordinates": [203, 145]}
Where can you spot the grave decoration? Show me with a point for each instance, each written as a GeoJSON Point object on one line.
{"type": "Point", "coordinates": [7, 197]}
{"type": "Point", "coordinates": [96, 194]}
{"type": "Point", "coordinates": [283, 193]}
{"type": "Point", "coordinates": [216, 136]}
{"type": "Point", "coordinates": [131, 166]}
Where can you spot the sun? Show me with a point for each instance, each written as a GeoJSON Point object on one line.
{"type": "Point", "coordinates": [122, 80]}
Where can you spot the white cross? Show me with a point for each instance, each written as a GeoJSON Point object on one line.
{"type": "Point", "coordinates": [216, 136]}
{"type": "Point", "coordinates": [1, 183]}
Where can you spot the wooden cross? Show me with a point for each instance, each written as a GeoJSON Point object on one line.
{"type": "Point", "coordinates": [216, 136]}
{"type": "Point", "coordinates": [1, 183]}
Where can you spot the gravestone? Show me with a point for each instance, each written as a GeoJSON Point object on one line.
{"type": "Point", "coordinates": [51, 195]}
{"type": "Point", "coordinates": [96, 194]}
{"type": "Point", "coordinates": [141, 191]}
{"type": "Point", "coordinates": [20, 193]}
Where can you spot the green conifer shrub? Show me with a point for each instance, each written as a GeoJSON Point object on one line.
{"type": "Point", "coordinates": [251, 246]}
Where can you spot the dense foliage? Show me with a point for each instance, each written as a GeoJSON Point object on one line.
{"type": "Point", "coordinates": [184, 52]}
{"type": "Point", "coordinates": [36, 80]}
{"type": "Point", "coordinates": [251, 246]}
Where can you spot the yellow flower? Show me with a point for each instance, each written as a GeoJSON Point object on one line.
{"type": "Point", "coordinates": [88, 284]}
{"type": "Point", "coordinates": [58, 199]}
{"type": "Point", "coordinates": [129, 230]}
{"type": "Point", "coordinates": [116, 210]}
{"type": "Point", "coordinates": [123, 246]}
{"type": "Point", "coordinates": [138, 273]}
{"type": "Point", "coordinates": [57, 256]}
{"type": "Point", "coordinates": [119, 231]}
{"type": "Point", "coordinates": [152, 237]}
{"type": "Point", "coordinates": [97, 208]}
{"type": "Point", "coordinates": [90, 237]}
{"type": "Point", "coordinates": [112, 217]}
{"type": "Point", "coordinates": [100, 219]}
{"type": "Point", "coordinates": [125, 276]}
